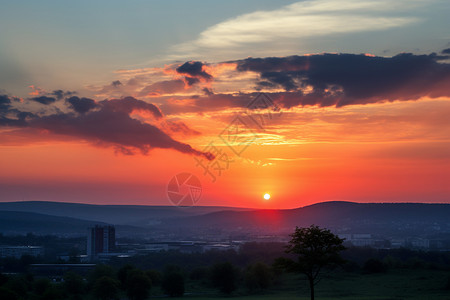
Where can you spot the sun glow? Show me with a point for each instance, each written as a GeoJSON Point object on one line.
{"type": "Point", "coordinates": [266, 196]}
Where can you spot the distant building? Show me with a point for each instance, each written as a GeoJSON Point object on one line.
{"type": "Point", "coordinates": [100, 239]}
{"type": "Point", "coordinates": [419, 243]}
{"type": "Point", "coordinates": [358, 239]}
{"type": "Point", "coordinates": [18, 251]}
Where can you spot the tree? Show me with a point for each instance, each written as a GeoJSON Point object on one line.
{"type": "Point", "coordinates": [102, 270]}
{"type": "Point", "coordinates": [316, 249]}
{"type": "Point", "coordinates": [122, 275]}
{"type": "Point", "coordinates": [106, 288]}
{"type": "Point", "coordinates": [138, 285]}
{"type": "Point", "coordinates": [258, 276]}
{"type": "Point", "coordinates": [224, 276]}
{"type": "Point", "coordinates": [155, 276]}
{"type": "Point", "coordinates": [74, 284]}
{"type": "Point", "coordinates": [7, 294]}
{"type": "Point", "coordinates": [41, 285]}
{"type": "Point", "coordinates": [173, 282]}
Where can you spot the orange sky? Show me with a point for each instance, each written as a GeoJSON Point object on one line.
{"type": "Point", "coordinates": [369, 153]}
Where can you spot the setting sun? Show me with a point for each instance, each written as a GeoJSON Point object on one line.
{"type": "Point", "coordinates": [267, 196]}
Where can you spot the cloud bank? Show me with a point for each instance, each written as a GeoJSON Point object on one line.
{"type": "Point", "coordinates": [107, 123]}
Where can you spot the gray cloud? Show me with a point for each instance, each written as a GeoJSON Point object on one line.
{"type": "Point", "coordinates": [107, 122]}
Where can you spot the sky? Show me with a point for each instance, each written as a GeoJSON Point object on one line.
{"type": "Point", "coordinates": [108, 102]}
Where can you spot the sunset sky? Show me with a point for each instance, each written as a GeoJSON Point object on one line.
{"type": "Point", "coordinates": [105, 101]}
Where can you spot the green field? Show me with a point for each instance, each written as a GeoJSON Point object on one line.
{"type": "Point", "coordinates": [393, 285]}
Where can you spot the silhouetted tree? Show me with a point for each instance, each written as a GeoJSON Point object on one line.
{"type": "Point", "coordinates": [224, 277]}
{"type": "Point", "coordinates": [7, 294]}
{"type": "Point", "coordinates": [98, 272]}
{"type": "Point", "coordinates": [106, 288]}
{"type": "Point", "coordinates": [41, 285]}
{"type": "Point", "coordinates": [122, 275]}
{"type": "Point", "coordinates": [19, 285]}
{"type": "Point", "coordinates": [316, 249]}
{"type": "Point", "coordinates": [173, 282]}
{"type": "Point", "coordinates": [138, 285]}
{"type": "Point", "coordinates": [258, 276]}
{"type": "Point", "coordinates": [74, 284]}
{"type": "Point", "coordinates": [155, 276]}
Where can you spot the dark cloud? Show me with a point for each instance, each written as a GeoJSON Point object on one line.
{"type": "Point", "coordinates": [109, 124]}
{"type": "Point", "coordinates": [113, 128]}
{"type": "Point", "coordinates": [81, 105]}
{"type": "Point", "coordinates": [207, 91]}
{"type": "Point", "coordinates": [129, 104]}
{"type": "Point", "coordinates": [446, 51]}
{"type": "Point", "coordinates": [116, 83]}
{"type": "Point", "coordinates": [10, 116]}
{"type": "Point", "coordinates": [46, 100]}
{"type": "Point", "coordinates": [345, 79]}
{"type": "Point", "coordinates": [193, 71]}
{"type": "Point", "coordinates": [60, 94]}
{"type": "Point", "coordinates": [191, 80]}
{"type": "Point", "coordinates": [5, 103]}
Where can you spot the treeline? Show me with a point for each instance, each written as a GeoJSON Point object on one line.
{"type": "Point", "coordinates": [106, 282]}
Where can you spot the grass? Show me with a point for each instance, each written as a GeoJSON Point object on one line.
{"type": "Point", "coordinates": [399, 284]}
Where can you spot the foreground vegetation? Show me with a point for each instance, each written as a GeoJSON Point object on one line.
{"type": "Point", "coordinates": [395, 284]}
{"type": "Point", "coordinates": [256, 271]}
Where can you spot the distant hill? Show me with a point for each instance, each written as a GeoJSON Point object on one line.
{"type": "Point", "coordinates": [137, 215]}
{"type": "Point", "coordinates": [15, 222]}
{"type": "Point", "coordinates": [161, 221]}
{"type": "Point", "coordinates": [345, 216]}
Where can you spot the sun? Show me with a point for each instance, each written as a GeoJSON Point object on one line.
{"type": "Point", "coordinates": [266, 196]}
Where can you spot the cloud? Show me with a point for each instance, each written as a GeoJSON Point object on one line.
{"type": "Point", "coordinates": [178, 127]}
{"type": "Point", "coordinates": [300, 20]}
{"type": "Point", "coordinates": [81, 105]}
{"type": "Point", "coordinates": [345, 79]}
{"type": "Point", "coordinates": [5, 103]}
{"type": "Point", "coordinates": [194, 71]}
{"type": "Point", "coordinates": [446, 51]}
{"type": "Point", "coordinates": [44, 100]}
{"type": "Point", "coordinates": [163, 87]}
{"type": "Point", "coordinates": [116, 83]}
{"type": "Point", "coordinates": [10, 116]}
{"type": "Point", "coordinates": [60, 94]}
{"type": "Point", "coordinates": [107, 123]}
{"type": "Point", "coordinates": [129, 104]}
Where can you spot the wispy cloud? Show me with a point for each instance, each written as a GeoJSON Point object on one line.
{"type": "Point", "coordinates": [299, 20]}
